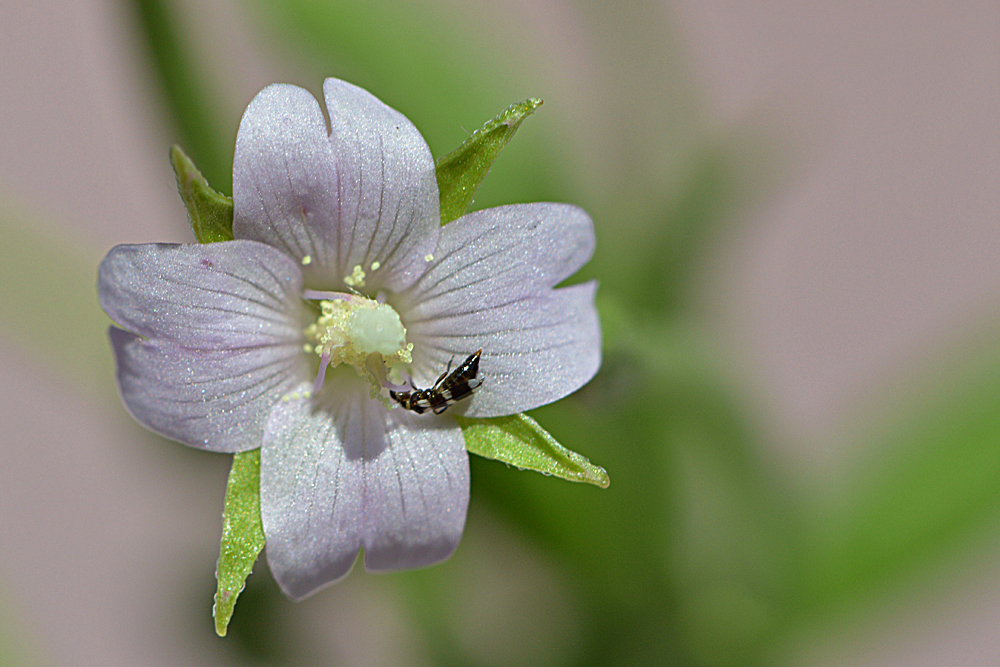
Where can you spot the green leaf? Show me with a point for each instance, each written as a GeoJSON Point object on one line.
{"type": "Point", "coordinates": [209, 212]}
{"type": "Point", "coordinates": [242, 535]}
{"type": "Point", "coordinates": [461, 172]}
{"type": "Point", "coordinates": [521, 442]}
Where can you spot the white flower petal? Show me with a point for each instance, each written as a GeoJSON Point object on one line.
{"type": "Point", "coordinates": [417, 494]}
{"type": "Point", "coordinates": [500, 255]}
{"type": "Point", "coordinates": [212, 399]}
{"type": "Point", "coordinates": [349, 475]}
{"type": "Point", "coordinates": [218, 296]}
{"type": "Point", "coordinates": [216, 337]}
{"type": "Point", "coordinates": [490, 287]}
{"type": "Point", "coordinates": [364, 191]}
{"type": "Point", "coordinates": [536, 350]}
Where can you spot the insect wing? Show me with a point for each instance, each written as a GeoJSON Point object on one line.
{"type": "Point", "coordinates": [449, 389]}
{"type": "Point", "coordinates": [461, 383]}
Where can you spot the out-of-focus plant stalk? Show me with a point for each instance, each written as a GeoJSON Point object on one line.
{"type": "Point", "coordinates": [190, 105]}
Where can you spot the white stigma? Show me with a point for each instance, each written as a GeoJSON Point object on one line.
{"type": "Point", "coordinates": [377, 330]}
{"type": "Point", "coordinates": [359, 332]}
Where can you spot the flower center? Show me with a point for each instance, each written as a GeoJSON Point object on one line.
{"type": "Point", "coordinates": [360, 332]}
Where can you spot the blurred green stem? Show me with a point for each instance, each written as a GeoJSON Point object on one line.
{"type": "Point", "coordinates": [190, 105]}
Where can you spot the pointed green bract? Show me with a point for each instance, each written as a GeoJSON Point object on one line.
{"type": "Point", "coordinates": [521, 442]}
{"type": "Point", "coordinates": [242, 535]}
{"type": "Point", "coordinates": [211, 216]}
{"type": "Point", "coordinates": [209, 212]}
{"type": "Point", "coordinates": [460, 173]}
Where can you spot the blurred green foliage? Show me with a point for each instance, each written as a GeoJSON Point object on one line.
{"type": "Point", "coordinates": [702, 552]}
{"type": "Point", "coordinates": [934, 489]}
{"type": "Point", "coordinates": [33, 263]}
{"type": "Point", "coordinates": [13, 649]}
{"type": "Point", "coordinates": [193, 112]}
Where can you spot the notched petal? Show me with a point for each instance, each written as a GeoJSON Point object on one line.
{"type": "Point", "coordinates": [498, 255]}
{"type": "Point", "coordinates": [393, 198]}
{"type": "Point", "coordinates": [310, 492]}
{"type": "Point", "coordinates": [347, 474]}
{"type": "Point", "coordinates": [362, 192]}
{"type": "Point", "coordinates": [490, 288]}
{"type": "Point", "coordinates": [285, 180]}
{"type": "Point", "coordinates": [417, 494]}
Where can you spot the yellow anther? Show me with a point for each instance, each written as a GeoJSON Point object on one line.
{"type": "Point", "coordinates": [357, 277]}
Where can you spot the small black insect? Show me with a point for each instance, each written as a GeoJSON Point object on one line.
{"type": "Point", "coordinates": [449, 389]}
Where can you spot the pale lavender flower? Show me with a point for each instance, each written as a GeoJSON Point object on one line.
{"type": "Point", "coordinates": [223, 346]}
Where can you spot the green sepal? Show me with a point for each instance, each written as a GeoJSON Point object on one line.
{"type": "Point", "coordinates": [519, 441]}
{"type": "Point", "coordinates": [460, 173]}
{"type": "Point", "coordinates": [242, 535]}
{"type": "Point", "coordinates": [209, 212]}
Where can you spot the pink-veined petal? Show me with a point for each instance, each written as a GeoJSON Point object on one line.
{"type": "Point", "coordinates": [343, 474]}
{"type": "Point", "coordinates": [490, 287]}
{"type": "Point", "coordinates": [211, 399]}
{"type": "Point", "coordinates": [218, 296]}
{"type": "Point", "coordinates": [536, 350]}
{"type": "Point", "coordinates": [215, 337]}
{"type": "Point", "coordinates": [360, 192]}
{"type": "Point", "coordinates": [500, 253]}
